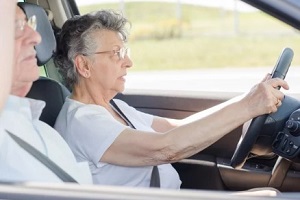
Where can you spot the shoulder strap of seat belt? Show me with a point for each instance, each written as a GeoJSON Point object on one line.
{"type": "Point", "coordinates": [155, 178]}
{"type": "Point", "coordinates": [62, 174]}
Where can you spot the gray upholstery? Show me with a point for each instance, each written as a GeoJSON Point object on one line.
{"type": "Point", "coordinates": [47, 47]}
{"type": "Point", "coordinates": [48, 90]}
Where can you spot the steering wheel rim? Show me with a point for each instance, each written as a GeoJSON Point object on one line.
{"type": "Point", "coordinates": [261, 133]}
{"type": "Point", "coordinates": [246, 143]}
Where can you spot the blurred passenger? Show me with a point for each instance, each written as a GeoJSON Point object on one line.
{"type": "Point", "coordinates": [20, 119]}
{"type": "Point", "coordinates": [7, 19]}
{"type": "Point", "coordinates": [120, 143]}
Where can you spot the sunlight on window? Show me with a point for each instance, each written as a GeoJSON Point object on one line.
{"type": "Point", "coordinates": [172, 37]}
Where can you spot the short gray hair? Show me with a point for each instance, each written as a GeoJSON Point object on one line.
{"type": "Point", "coordinates": [76, 38]}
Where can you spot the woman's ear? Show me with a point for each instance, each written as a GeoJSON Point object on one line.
{"type": "Point", "coordinates": [82, 66]}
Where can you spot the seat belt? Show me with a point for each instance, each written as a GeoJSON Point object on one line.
{"type": "Point", "coordinates": [155, 178]}
{"type": "Point", "coordinates": [58, 171]}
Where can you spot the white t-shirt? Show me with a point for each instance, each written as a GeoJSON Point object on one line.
{"type": "Point", "coordinates": [90, 130]}
{"type": "Point", "coordinates": [21, 117]}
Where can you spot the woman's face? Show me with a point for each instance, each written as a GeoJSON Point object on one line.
{"type": "Point", "coordinates": [108, 70]}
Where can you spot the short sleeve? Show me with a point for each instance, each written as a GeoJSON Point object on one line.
{"type": "Point", "coordinates": [136, 117]}
{"type": "Point", "coordinates": [93, 130]}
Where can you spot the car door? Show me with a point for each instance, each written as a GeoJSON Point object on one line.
{"type": "Point", "coordinates": [210, 168]}
{"type": "Point", "coordinates": [201, 171]}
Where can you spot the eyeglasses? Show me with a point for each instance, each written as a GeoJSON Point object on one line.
{"type": "Point", "coordinates": [124, 51]}
{"type": "Point", "coordinates": [20, 25]}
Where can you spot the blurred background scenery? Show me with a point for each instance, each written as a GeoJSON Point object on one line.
{"type": "Point", "coordinates": [195, 34]}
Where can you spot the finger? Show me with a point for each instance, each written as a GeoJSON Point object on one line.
{"type": "Point", "coordinates": [276, 106]}
{"type": "Point", "coordinates": [278, 96]}
{"type": "Point", "coordinates": [276, 82]}
{"type": "Point", "coordinates": [279, 103]}
{"type": "Point", "coordinates": [267, 77]}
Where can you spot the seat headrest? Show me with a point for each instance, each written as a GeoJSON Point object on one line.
{"type": "Point", "coordinates": [47, 47]}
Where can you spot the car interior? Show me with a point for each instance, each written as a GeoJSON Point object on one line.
{"type": "Point", "coordinates": [267, 163]}
{"type": "Point", "coordinates": [56, 92]}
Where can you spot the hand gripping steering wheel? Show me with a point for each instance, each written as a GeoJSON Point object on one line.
{"type": "Point", "coordinates": [248, 140]}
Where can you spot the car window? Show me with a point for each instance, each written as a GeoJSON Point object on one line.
{"type": "Point", "coordinates": [202, 45]}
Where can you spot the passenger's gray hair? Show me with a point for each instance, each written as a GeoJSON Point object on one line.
{"type": "Point", "coordinates": [75, 38]}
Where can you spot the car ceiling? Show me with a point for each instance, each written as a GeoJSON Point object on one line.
{"type": "Point", "coordinates": [287, 11]}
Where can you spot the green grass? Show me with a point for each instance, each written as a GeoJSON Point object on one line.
{"type": "Point", "coordinates": [203, 37]}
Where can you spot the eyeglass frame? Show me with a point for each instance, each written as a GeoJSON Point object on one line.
{"type": "Point", "coordinates": [122, 52]}
{"type": "Point", "coordinates": [21, 23]}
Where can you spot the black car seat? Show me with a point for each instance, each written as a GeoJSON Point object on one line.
{"type": "Point", "coordinates": [46, 89]}
{"type": "Point", "coordinates": [53, 93]}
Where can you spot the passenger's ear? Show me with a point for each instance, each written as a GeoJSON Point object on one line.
{"type": "Point", "coordinates": [82, 66]}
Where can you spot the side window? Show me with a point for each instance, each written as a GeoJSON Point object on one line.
{"type": "Point", "coordinates": [42, 71]}
{"type": "Point", "coordinates": [199, 42]}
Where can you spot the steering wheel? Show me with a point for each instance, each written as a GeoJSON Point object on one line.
{"type": "Point", "coordinates": [248, 140]}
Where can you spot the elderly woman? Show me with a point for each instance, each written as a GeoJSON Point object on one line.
{"type": "Point", "coordinates": [120, 143]}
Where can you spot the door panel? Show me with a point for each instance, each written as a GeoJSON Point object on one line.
{"type": "Point", "coordinates": [201, 170]}
{"type": "Point", "coordinates": [210, 168]}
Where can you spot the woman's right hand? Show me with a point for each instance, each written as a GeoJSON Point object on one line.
{"type": "Point", "coordinates": [265, 98]}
